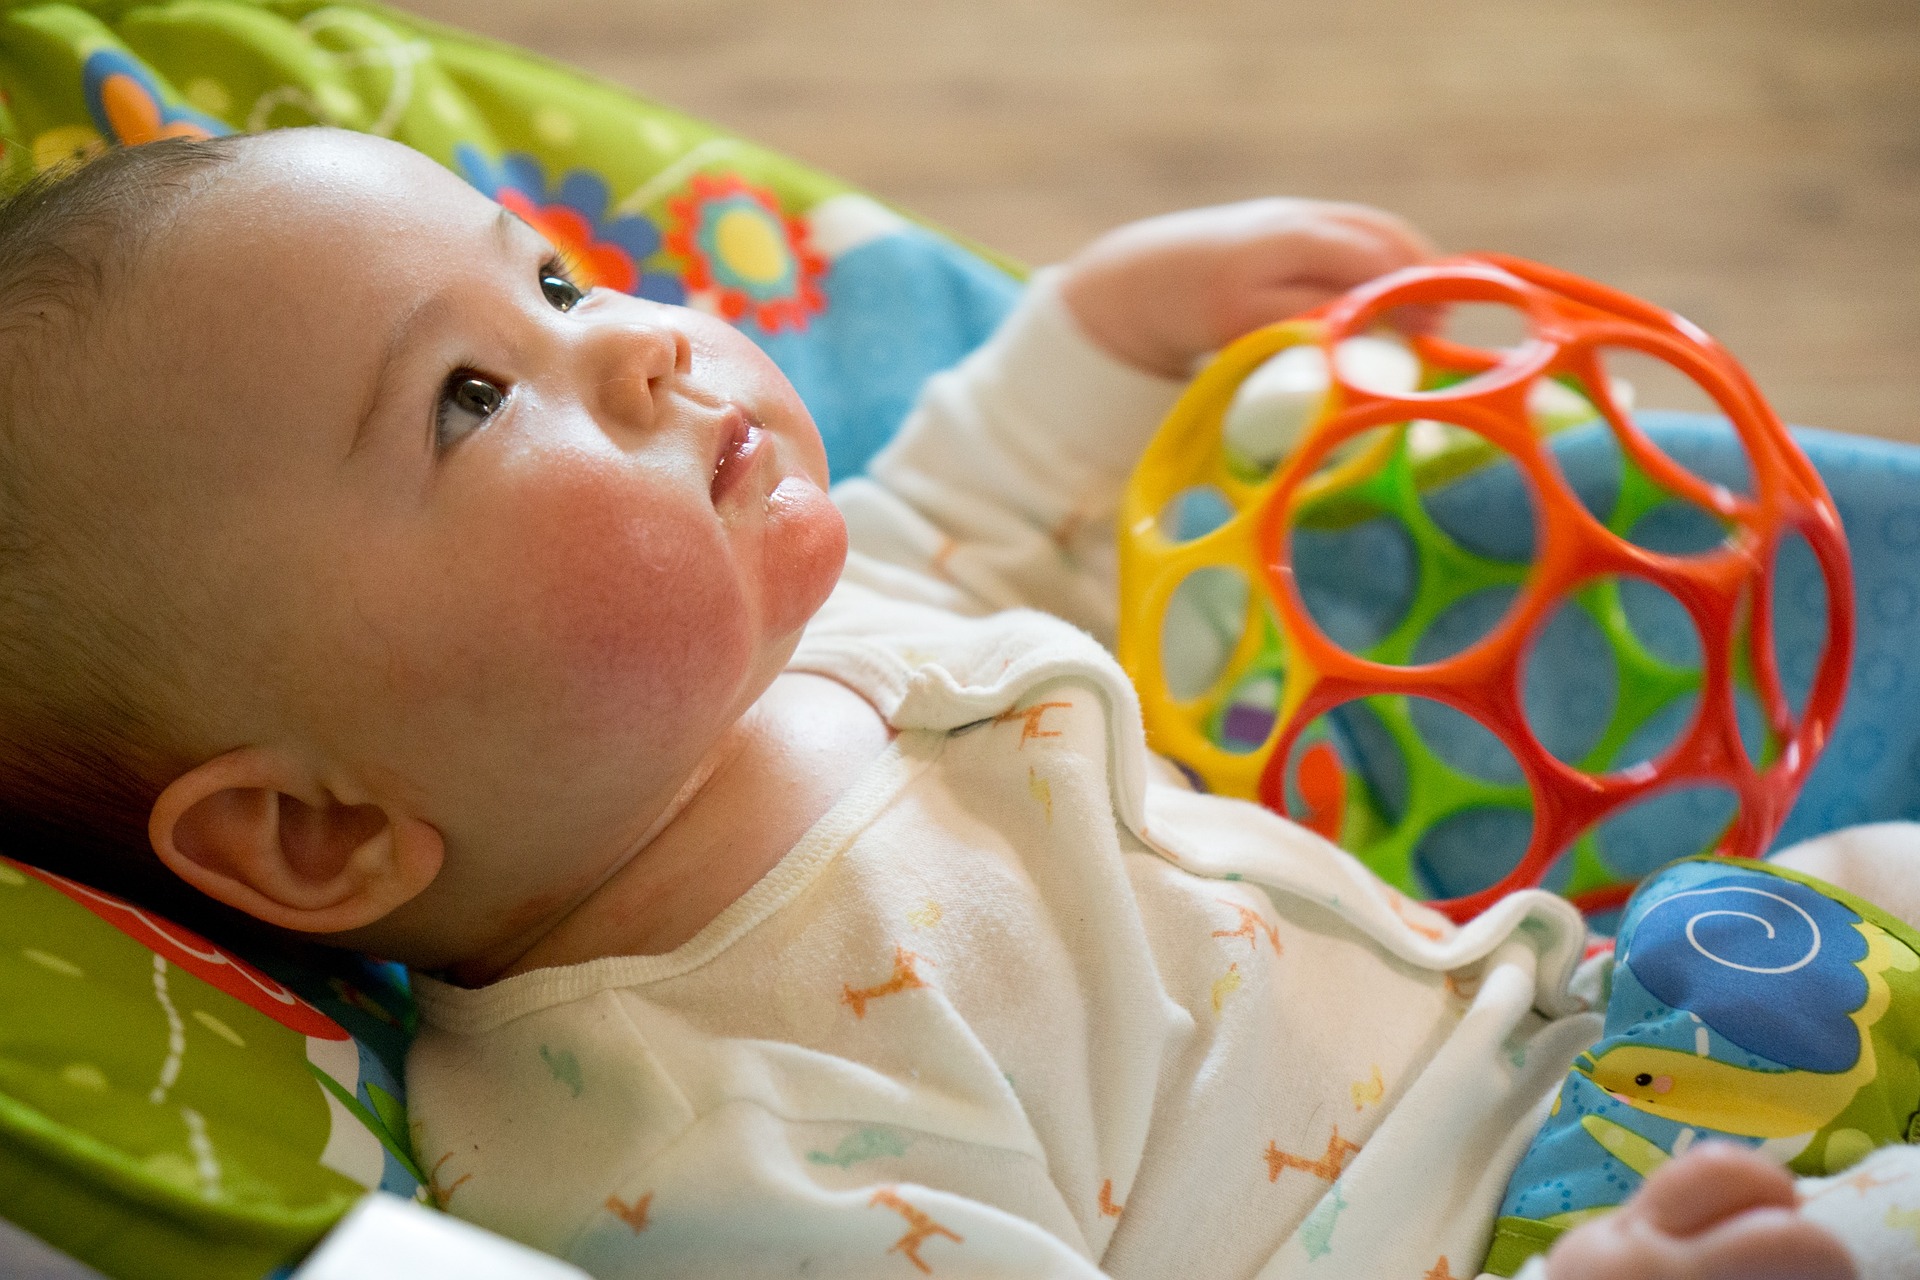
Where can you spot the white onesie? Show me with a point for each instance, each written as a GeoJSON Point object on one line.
{"type": "Point", "coordinates": [1013, 1007]}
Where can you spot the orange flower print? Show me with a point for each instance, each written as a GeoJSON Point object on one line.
{"type": "Point", "coordinates": [600, 251]}
{"type": "Point", "coordinates": [743, 251]}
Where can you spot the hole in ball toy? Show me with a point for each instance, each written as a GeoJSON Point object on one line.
{"type": "Point", "coordinates": [1680, 418]}
{"type": "Point", "coordinates": [1495, 328]}
{"type": "Point", "coordinates": [1463, 744]}
{"type": "Point", "coordinates": [1651, 727]}
{"type": "Point", "coordinates": [1464, 623]}
{"type": "Point", "coordinates": [1346, 775]}
{"type": "Point", "coordinates": [1488, 510]}
{"type": "Point", "coordinates": [1194, 513]}
{"type": "Point", "coordinates": [1708, 448]}
{"type": "Point", "coordinates": [1471, 850]}
{"type": "Point", "coordinates": [1353, 557]}
{"type": "Point", "coordinates": [1671, 824]}
{"type": "Point", "coordinates": [1799, 617]}
{"type": "Point", "coordinates": [1655, 384]}
{"type": "Point", "coordinates": [1755, 738]}
{"type": "Point", "coordinates": [1558, 403]}
{"type": "Point", "coordinates": [1277, 403]}
{"type": "Point", "coordinates": [1244, 720]}
{"type": "Point", "coordinates": [1571, 683]}
{"type": "Point", "coordinates": [1373, 763]}
{"type": "Point", "coordinates": [1678, 528]}
{"type": "Point", "coordinates": [1559, 873]}
{"type": "Point", "coordinates": [1660, 624]}
{"type": "Point", "coordinates": [1205, 618]}
{"type": "Point", "coordinates": [1592, 464]}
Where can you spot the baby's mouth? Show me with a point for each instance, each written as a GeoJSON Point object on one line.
{"type": "Point", "coordinates": [739, 444]}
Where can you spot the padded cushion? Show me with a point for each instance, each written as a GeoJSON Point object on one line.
{"type": "Point", "coordinates": [167, 1109]}
{"type": "Point", "coordinates": [855, 302]}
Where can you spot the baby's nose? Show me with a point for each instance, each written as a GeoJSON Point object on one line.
{"type": "Point", "coordinates": [635, 361]}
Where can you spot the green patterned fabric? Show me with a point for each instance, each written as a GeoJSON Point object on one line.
{"type": "Point", "coordinates": [168, 1110]}
{"type": "Point", "coordinates": [857, 303]}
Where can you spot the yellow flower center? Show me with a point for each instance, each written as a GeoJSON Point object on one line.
{"type": "Point", "coordinates": [751, 246]}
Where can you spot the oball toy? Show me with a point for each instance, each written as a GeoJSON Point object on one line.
{"type": "Point", "coordinates": [1333, 602]}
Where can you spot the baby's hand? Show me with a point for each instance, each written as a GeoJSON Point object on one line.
{"type": "Point", "coordinates": [1159, 294]}
{"type": "Point", "coordinates": [1719, 1212]}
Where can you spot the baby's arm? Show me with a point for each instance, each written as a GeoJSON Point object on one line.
{"type": "Point", "coordinates": [1003, 483]}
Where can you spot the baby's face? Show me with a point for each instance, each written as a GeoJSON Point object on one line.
{"type": "Point", "coordinates": [514, 555]}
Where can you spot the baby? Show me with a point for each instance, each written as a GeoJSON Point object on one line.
{"type": "Point", "coordinates": [790, 911]}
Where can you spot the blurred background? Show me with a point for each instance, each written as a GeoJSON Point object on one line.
{"type": "Point", "coordinates": [1752, 164]}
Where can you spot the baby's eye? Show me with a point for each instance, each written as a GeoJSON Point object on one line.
{"type": "Point", "coordinates": [466, 401]}
{"type": "Point", "coordinates": [563, 293]}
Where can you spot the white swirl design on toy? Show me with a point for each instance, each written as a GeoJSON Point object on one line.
{"type": "Point", "coordinates": [1813, 949]}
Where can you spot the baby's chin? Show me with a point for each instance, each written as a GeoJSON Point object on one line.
{"type": "Point", "coordinates": [802, 555]}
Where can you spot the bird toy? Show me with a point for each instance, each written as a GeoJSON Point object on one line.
{"type": "Point", "coordinates": [1327, 426]}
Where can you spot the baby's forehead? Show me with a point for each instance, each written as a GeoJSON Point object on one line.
{"type": "Point", "coordinates": [277, 278]}
{"type": "Point", "coordinates": [314, 191]}
{"type": "Point", "coordinates": [306, 230]}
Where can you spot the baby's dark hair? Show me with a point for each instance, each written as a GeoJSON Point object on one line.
{"type": "Point", "coordinates": [85, 747]}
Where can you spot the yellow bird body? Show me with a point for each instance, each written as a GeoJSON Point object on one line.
{"type": "Point", "coordinates": [1693, 1089]}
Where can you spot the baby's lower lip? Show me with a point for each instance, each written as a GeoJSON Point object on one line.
{"type": "Point", "coordinates": [736, 456]}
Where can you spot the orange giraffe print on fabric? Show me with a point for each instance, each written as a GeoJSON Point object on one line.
{"type": "Point", "coordinates": [1861, 1180]}
{"type": "Point", "coordinates": [635, 1214]}
{"type": "Point", "coordinates": [1033, 719]}
{"type": "Point", "coordinates": [1425, 928]}
{"type": "Point", "coordinates": [919, 1228]}
{"type": "Point", "coordinates": [1107, 1206]}
{"type": "Point", "coordinates": [1326, 1167]}
{"type": "Point", "coordinates": [442, 1194]}
{"type": "Point", "coordinates": [1440, 1271]}
{"type": "Point", "coordinates": [904, 979]}
{"type": "Point", "coordinates": [1251, 927]}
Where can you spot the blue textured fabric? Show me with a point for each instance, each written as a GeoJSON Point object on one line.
{"type": "Point", "coordinates": [899, 309]}
{"type": "Point", "coordinates": [1871, 769]}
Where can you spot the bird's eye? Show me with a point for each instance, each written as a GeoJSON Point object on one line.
{"type": "Point", "coordinates": [1643, 1079]}
{"type": "Point", "coordinates": [562, 293]}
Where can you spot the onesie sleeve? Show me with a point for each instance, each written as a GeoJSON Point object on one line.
{"type": "Point", "coordinates": [1004, 481]}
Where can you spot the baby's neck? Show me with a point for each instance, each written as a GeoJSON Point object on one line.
{"type": "Point", "coordinates": [794, 754]}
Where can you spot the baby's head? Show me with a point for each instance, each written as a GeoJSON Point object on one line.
{"type": "Point", "coordinates": [392, 586]}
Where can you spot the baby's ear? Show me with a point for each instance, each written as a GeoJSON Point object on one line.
{"type": "Point", "coordinates": [256, 831]}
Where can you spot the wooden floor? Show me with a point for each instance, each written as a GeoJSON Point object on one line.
{"type": "Point", "coordinates": [1754, 164]}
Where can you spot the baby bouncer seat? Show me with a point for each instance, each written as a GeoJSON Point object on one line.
{"type": "Point", "coordinates": [168, 1108]}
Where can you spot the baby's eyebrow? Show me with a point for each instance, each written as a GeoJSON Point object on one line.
{"type": "Point", "coordinates": [507, 223]}
{"type": "Point", "coordinates": [507, 228]}
{"type": "Point", "coordinates": [398, 339]}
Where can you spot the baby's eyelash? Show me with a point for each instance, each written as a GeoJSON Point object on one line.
{"type": "Point", "coordinates": [558, 285]}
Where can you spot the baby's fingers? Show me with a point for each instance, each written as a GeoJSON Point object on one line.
{"type": "Point", "coordinates": [1342, 245]}
{"type": "Point", "coordinates": [1710, 1184]}
{"type": "Point", "coordinates": [1769, 1244]}
{"type": "Point", "coordinates": [1310, 255]}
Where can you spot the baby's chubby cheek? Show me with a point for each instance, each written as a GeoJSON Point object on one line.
{"type": "Point", "coordinates": [561, 607]}
{"type": "Point", "coordinates": [628, 611]}
{"type": "Point", "coordinates": [802, 555]}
